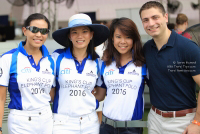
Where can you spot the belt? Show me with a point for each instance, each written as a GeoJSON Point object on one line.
{"type": "Point", "coordinates": [180, 113]}
{"type": "Point", "coordinates": [116, 124]}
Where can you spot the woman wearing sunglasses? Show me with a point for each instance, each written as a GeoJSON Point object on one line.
{"type": "Point", "coordinates": [28, 73]}
{"type": "Point", "coordinates": [76, 74]}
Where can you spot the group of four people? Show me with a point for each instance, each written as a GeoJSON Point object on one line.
{"type": "Point", "coordinates": [69, 76]}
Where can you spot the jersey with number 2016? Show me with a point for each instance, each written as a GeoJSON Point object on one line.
{"type": "Point", "coordinates": [74, 84]}
{"type": "Point", "coordinates": [125, 87]}
{"type": "Point", "coordinates": [29, 84]}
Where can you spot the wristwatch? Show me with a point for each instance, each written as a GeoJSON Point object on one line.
{"type": "Point", "coordinates": [1, 129]}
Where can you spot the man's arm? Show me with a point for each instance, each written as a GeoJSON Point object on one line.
{"type": "Point", "coordinates": [197, 79]}
{"type": "Point", "coordinates": [197, 116]}
{"type": "Point", "coordinates": [194, 128]}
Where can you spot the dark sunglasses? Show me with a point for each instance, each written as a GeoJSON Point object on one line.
{"type": "Point", "coordinates": [34, 29]}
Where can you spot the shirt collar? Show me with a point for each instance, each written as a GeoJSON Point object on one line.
{"type": "Point", "coordinates": [113, 59]}
{"type": "Point", "coordinates": [68, 54]}
{"type": "Point", "coordinates": [44, 50]}
{"type": "Point", "coordinates": [171, 40]}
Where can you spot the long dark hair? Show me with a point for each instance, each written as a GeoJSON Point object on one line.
{"type": "Point", "coordinates": [90, 49]}
{"type": "Point", "coordinates": [127, 27]}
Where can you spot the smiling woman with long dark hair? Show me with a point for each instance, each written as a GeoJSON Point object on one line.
{"type": "Point", "coordinates": [122, 79]}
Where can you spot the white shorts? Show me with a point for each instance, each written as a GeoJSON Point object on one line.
{"type": "Point", "coordinates": [30, 122]}
{"type": "Point", "coordinates": [87, 124]}
{"type": "Point", "coordinates": [162, 125]}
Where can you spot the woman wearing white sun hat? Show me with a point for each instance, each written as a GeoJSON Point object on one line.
{"type": "Point", "coordinates": [76, 75]}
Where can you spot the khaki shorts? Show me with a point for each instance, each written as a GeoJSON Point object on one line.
{"type": "Point", "coordinates": [163, 125]}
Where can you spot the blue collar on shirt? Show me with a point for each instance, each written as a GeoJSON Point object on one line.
{"type": "Point", "coordinates": [171, 40]}
{"type": "Point", "coordinates": [122, 68]}
{"type": "Point", "coordinates": [68, 54]}
{"type": "Point", "coordinates": [44, 50]}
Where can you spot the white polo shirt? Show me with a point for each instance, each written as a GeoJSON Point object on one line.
{"type": "Point", "coordinates": [74, 84]}
{"type": "Point", "coordinates": [29, 84]}
{"type": "Point", "coordinates": [125, 87]}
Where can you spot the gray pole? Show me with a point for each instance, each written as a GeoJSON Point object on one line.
{"type": "Point", "coordinates": [42, 7]}
{"type": "Point", "coordinates": [199, 9]}
{"type": "Point", "coordinates": [49, 16]}
{"type": "Point", "coordinates": [55, 17]}
{"type": "Point", "coordinates": [36, 6]}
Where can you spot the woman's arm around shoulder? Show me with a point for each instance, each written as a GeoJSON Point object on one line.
{"type": "Point", "coordinates": [99, 93]}
{"type": "Point", "coordinates": [52, 93]}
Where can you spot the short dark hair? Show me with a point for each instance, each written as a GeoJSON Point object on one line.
{"type": "Point", "coordinates": [181, 18]}
{"type": "Point", "coordinates": [129, 28]}
{"type": "Point", "coordinates": [90, 49]}
{"type": "Point", "coordinates": [152, 4]}
{"type": "Point", "coordinates": [36, 16]}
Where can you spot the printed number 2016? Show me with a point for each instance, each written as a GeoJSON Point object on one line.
{"type": "Point", "coordinates": [77, 93]}
{"type": "Point", "coordinates": [119, 91]}
{"type": "Point", "coordinates": [37, 90]}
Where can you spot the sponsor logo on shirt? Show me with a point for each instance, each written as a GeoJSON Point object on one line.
{"type": "Point", "coordinates": [46, 72]}
{"type": "Point", "coordinates": [110, 72]}
{"type": "Point", "coordinates": [1, 72]}
{"type": "Point", "coordinates": [65, 71]}
{"type": "Point", "coordinates": [90, 74]}
{"type": "Point", "coordinates": [26, 70]}
{"type": "Point", "coordinates": [133, 72]}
